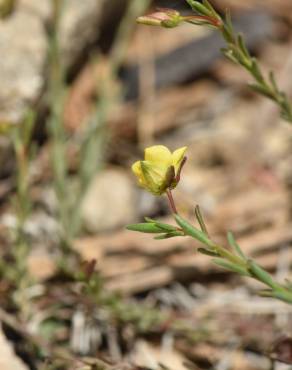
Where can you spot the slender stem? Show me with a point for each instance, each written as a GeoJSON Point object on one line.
{"type": "Point", "coordinates": [212, 20]}
{"type": "Point", "coordinates": [171, 201]}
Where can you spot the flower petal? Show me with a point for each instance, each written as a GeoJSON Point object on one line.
{"type": "Point", "coordinates": [153, 180]}
{"type": "Point", "coordinates": [137, 169]}
{"type": "Point", "coordinates": [157, 172]}
{"type": "Point", "coordinates": [158, 155]}
{"type": "Point", "coordinates": [177, 157]}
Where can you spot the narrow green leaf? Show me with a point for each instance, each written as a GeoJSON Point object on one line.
{"type": "Point", "coordinates": [161, 237]}
{"type": "Point", "coordinates": [200, 220]}
{"type": "Point", "coordinates": [162, 225]}
{"type": "Point", "coordinates": [232, 242]}
{"type": "Point", "coordinates": [210, 8]}
{"type": "Point", "coordinates": [202, 22]}
{"type": "Point", "coordinates": [199, 8]}
{"type": "Point", "coordinates": [169, 235]}
{"type": "Point", "coordinates": [266, 293]}
{"type": "Point", "coordinates": [229, 54]}
{"type": "Point", "coordinates": [231, 266]}
{"type": "Point", "coordinates": [191, 3]}
{"type": "Point", "coordinates": [261, 90]}
{"type": "Point", "coordinates": [262, 275]}
{"type": "Point", "coordinates": [207, 5]}
{"type": "Point", "coordinates": [192, 231]}
{"type": "Point", "coordinates": [273, 82]}
{"type": "Point", "coordinates": [228, 22]}
{"type": "Point", "coordinates": [208, 252]}
{"type": "Point", "coordinates": [283, 296]}
{"type": "Point", "coordinates": [242, 46]}
{"type": "Point", "coordinates": [257, 73]}
{"type": "Point", "coordinates": [146, 227]}
{"type": "Point", "coordinates": [227, 35]}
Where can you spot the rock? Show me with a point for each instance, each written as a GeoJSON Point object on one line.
{"type": "Point", "coordinates": [79, 27]}
{"type": "Point", "coordinates": [110, 201]}
{"type": "Point", "coordinates": [24, 47]}
{"type": "Point", "coordinates": [148, 356]}
{"type": "Point", "coordinates": [41, 265]}
{"type": "Point", "coordinates": [8, 358]}
{"type": "Point", "coordinates": [88, 249]}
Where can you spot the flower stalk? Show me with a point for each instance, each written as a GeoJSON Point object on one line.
{"type": "Point", "coordinates": [171, 201]}
{"type": "Point", "coordinates": [160, 172]}
{"type": "Point", "coordinates": [153, 175]}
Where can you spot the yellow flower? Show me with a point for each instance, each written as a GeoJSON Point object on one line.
{"type": "Point", "coordinates": [160, 170]}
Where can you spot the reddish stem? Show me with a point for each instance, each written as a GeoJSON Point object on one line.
{"type": "Point", "coordinates": [171, 201]}
{"type": "Point", "coordinates": [212, 20]}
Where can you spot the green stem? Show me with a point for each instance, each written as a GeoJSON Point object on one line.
{"type": "Point", "coordinates": [226, 254]}
{"type": "Point", "coordinates": [57, 93]}
{"type": "Point", "coordinates": [234, 262]}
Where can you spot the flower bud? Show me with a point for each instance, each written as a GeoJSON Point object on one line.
{"type": "Point", "coordinates": [167, 18]}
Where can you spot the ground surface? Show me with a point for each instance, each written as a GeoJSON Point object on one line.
{"type": "Point", "coordinates": [160, 304]}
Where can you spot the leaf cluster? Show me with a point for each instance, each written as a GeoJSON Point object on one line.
{"type": "Point", "coordinates": [232, 259]}
{"type": "Point", "coordinates": [151, 226]}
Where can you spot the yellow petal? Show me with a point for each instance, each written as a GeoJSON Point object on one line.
{"type": "Point", "coordinates": [158, 155]}
{"type": "Point", "coordinates": [177, 157]}
{"type": "Point", "coordinates": [153, 179]}
{"type": "Point", "coordinates": [158, 173]}
{"type": "Point", "coordinates": [136, 168]}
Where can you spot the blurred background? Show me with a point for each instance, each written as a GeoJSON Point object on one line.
{"type": "Point", "coordinates": [83, 91]}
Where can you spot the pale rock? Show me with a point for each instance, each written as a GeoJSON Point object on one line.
{"type": "Point", "coordinates": [79, 27]}
{"type": "Point", "coordinates": [89, 249]}
{"type": "Point", "coordinates": [148, 356]}
{"type": "Point", "coordinates": [24, 49]}
{"type": "Point", "coordinates": [41, 265]}
{"type": "Point", "coordinates": [110, 201]}
{"type": "Point", "coordinates": [8, 358]}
